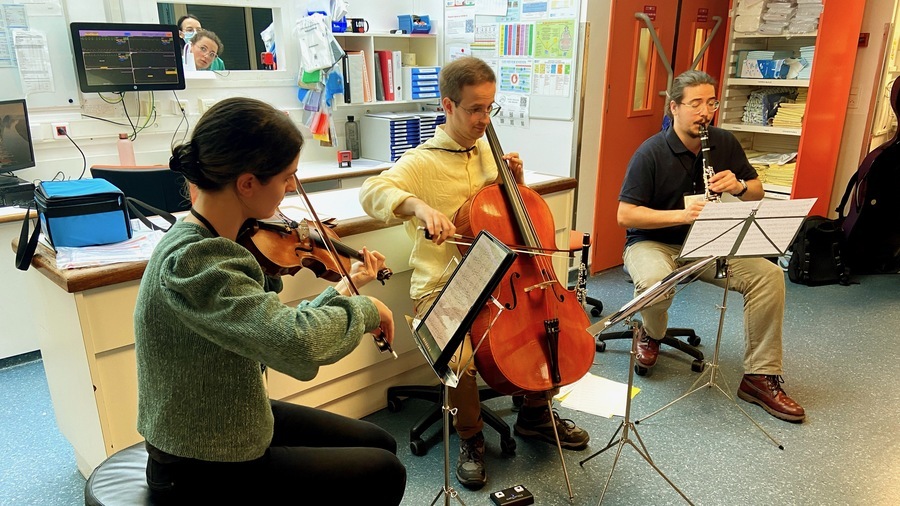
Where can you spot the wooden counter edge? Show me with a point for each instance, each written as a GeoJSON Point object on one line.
{"type": "Point", "coordinates": [79, 280]}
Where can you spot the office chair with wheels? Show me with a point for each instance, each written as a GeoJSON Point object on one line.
{"type": "Point", "coordinates": [670, 339]}
{"type": "Point", "coordinates": [419, 443]}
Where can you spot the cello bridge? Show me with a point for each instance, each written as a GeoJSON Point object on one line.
{"type": "Point", "coordinates": [540, 286]}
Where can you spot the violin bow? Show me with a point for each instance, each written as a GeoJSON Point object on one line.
{"type": "Point", "coordinates": [380, 341]}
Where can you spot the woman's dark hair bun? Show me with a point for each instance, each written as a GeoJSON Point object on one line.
{"type": "Point", "coordinates": [184, 160]}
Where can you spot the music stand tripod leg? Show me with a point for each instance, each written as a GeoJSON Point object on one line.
{"type": "Point", "coordinates": [713, 369]}
{"type": "Point", "coordinates": [447, 491]}
{"type": "Point", "coordinates": [627, 426]}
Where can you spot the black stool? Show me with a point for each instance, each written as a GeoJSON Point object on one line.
{"type": "Point", "coordinates": [120, 480]}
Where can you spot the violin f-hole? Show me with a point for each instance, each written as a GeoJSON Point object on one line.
{"type": "Point", "coordinates": [512, 290]}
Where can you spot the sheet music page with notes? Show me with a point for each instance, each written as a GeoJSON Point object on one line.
{"type": "Point", "coordinates": [461, 293]}
{"type": "Point", "coordinates": [758, 228]}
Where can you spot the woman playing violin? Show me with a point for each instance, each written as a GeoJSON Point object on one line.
{"type": "Point", "coordinates": [208, 320]}
{"type": "Point", "coordinates": [426, 187]}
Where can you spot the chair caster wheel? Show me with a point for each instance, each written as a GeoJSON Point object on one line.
{"type": "Point", "coordinates": [394, 404]}
{"type": "Point", "coordinates": [595, 311]}
{"type": "Point", "coordinates": [601, 346]}
{"type": "Point", "coordinates": [508, 446]}
{"type": "Point", "coordinates": [640, 370]}
{"type": "Point", "coordinates": [693, 340]}
{"type": "Point", "coordinates": [417, 447]}
{"type": "Point", "coordinates": [698, 365]}
{"type": "Point", "coordinates": [518, 400]}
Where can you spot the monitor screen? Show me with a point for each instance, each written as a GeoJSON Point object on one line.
{"type": "Point", "coordinates": [127, 57]}
{"type": "Point", "coordinates": [16, 149]}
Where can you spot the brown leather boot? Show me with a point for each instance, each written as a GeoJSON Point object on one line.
{"type": "Point", "coordinates": [765, 390]}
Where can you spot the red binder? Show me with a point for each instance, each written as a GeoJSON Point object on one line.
{"type": "Point", "coordinates": [386, 59]}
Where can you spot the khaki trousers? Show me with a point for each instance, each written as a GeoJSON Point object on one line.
{"type": "Point", "coordinates": [760, 281]}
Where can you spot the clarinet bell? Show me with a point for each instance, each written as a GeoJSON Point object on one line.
{"type": "Point", "coordinates": [721, 268]}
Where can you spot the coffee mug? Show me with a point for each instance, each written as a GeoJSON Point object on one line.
{"type": "Point", "coordinates": [358, 25]}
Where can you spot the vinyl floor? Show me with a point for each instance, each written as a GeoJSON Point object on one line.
{"type": "Point", "coordinates": [840, 363]}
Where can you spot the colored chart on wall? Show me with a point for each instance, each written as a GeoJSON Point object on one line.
{"type": "Point", "coordinates": [533, 48]}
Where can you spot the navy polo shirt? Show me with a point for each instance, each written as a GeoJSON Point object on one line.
{"type": "Point", "coordinates": [662, 171]}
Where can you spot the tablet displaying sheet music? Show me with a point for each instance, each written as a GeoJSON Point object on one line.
{"type": "Point", "coordinates": [444, 326]}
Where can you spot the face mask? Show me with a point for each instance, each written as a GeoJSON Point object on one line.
{"type": "Point", "coordinates": [188, 36]}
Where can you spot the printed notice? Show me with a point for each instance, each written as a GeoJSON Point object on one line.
{"type": "Point", "coordinates": [514, 110]}
{"type": "Point", "coordinates": [515, 76]}
{"type": "Point", "coordinates": [34, 61]}
{"type": "Point", "coordinates": [552, 78]}
{"type": "Point", "coordinates": [516, 39]}
{"type": "Point", "coordinates": [554, 39]}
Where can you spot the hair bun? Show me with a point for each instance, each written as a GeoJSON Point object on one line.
{"type": "Point", "coordinates": [184, 160]}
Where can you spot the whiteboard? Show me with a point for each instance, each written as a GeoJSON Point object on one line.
{"type": "Point", "coordinates": [533, 49]}
{"type": "Point", "coordinates": [51, 22]}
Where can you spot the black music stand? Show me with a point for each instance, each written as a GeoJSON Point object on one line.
{"type": "Point", "coordinates": [649, 296]}
{"type": "Point", "coordinates": [441, 332]}
{"type": "Point", "coordinates": [733, 230]}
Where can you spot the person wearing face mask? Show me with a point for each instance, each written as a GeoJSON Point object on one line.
{"type": "Point", "coordinates": [189, 27]}
{"type": "Point", "coordinates": [657, 208]}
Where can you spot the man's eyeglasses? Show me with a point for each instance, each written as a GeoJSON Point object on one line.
{"type": "Point", "coordinates": [481, 112]}
{"type": "Point", "coordinates": [205, 50]}
{"type": "Point", "coordinates": [711, 105]}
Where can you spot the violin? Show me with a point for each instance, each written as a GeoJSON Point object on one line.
{"type": "Point", "coordinates": [283, 246]}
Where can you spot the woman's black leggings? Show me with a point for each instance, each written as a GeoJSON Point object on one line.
{"type": "Point", "coordinates": [314, 455]}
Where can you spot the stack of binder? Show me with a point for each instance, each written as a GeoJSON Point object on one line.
{"type": "Point", "coordinates": [386, 136]}
{"type": "Point", "coordinates": [420, 83]}
{"type": "Point", "coordinates": [428, 123]}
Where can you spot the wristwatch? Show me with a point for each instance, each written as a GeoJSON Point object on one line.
{"type": "Point", "coordinates": [743, 190]}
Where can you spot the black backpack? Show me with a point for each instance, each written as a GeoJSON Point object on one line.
{"type": "Point", "coordinates": [872, 223]}
{"type": "Point", "coordinates": [817, 253]}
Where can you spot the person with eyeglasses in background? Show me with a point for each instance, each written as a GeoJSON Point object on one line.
{"type": "Point", "coordinates": [657, 208]}
{"type": "Point", "coordinates": [425, 188]}
{"type": "Point", "coordinates": [189, 28]}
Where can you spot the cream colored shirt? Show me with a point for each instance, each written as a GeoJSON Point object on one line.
{"type": "Point", "coordinates": [444, 180]}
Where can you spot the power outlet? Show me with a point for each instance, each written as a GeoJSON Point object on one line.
{"type": "Point", "coordinates": [205, 104]}
{"type": "Point", "coordinates": [60, 130]}
{"type": "Point", "coordinates": [179, 106]}
{"type": "Point", "coordinates": [146, 108]}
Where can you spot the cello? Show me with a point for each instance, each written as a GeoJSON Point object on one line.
{"type": "Point", "coordinates": [544, 343]}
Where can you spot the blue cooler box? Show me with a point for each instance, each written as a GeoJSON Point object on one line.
{"type": "Point", "coordinates": [83, 212]}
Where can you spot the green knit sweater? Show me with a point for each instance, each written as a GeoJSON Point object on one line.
{"type": "Point", "coordinates": [203, 323]}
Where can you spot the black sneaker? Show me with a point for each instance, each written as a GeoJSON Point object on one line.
{"type": "Point", "coordinates": [470, 468]}
{"type": "Point", "coordinates": [535, 423]}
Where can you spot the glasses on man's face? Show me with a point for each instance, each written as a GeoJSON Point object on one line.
{"type": "Point", "coordinates": [205, 51]}
{"type": "Point", "coordinates": [481, 112]}
{"type": "Point", "coordinates": [711, 105]}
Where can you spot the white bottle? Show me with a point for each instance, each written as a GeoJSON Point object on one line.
{"type": "Point", "coordinates": [126, 151]}
{"type": "Point", "coordinates": [351, 129]}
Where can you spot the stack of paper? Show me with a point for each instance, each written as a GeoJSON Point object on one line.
{"type": "Point", "coordinates": [596, 395]}
{"type": "Point", "coordinates": [806, 54]}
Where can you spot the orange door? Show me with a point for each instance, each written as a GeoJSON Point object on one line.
{"type": "Point", "coordinates": [635, 76]}
{"type": "Point", "coordinates": [695, 26]}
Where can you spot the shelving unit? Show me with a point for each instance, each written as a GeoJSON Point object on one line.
{"type": "Point", "coordinates": [818, 141]}
{"type": "Point", "coordinates": [425, 47]}
{"type": "Point", "coordinates": [736, 91]}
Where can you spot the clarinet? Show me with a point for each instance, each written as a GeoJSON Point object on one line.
{"type": "Point", "coordinates": [711, 196]}
{"type": "Point", "coordinates": [708, 171]}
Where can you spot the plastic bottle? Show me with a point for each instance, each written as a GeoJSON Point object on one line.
{"type": "Point", "coordinates": [351, 129]}
{"type": "Point", "coordinates": [126, 151]}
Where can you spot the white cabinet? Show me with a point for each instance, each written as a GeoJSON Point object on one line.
{"type": "Point", "coordinates": [736, 91]}
{"type": "Point", "coordinates": [423, 46]}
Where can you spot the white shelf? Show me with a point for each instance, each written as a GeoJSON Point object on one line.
{"type": "Point", "coordinates": [385, 35]}
{"type": "Point", "coordinates": [768, 36]}
{"type": "Point", "coordinates": [379, 103]}
{"type": "Point", "coordinates": [746, 81]}
{"type": "Point", "coordinates": [741, 127]}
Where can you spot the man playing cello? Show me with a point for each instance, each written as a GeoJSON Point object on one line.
{"type": "Point", "coordinates": [426, 187]}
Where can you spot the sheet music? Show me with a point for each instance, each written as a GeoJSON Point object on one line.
{"type": "Point", "coordinates": [462, 292]}
{"type": "Point", "coordinates": [746, 229]}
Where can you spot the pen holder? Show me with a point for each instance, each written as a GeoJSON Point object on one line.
{"type": "Point", "coordinates": [414, 24]}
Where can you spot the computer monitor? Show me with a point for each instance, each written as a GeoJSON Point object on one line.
{"type": "Point", "coordinates": [119, 57]}
{"type": "Point", "coordinates": [155, 185]}
{"type": "Point", "coordinates": [16, 148]}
